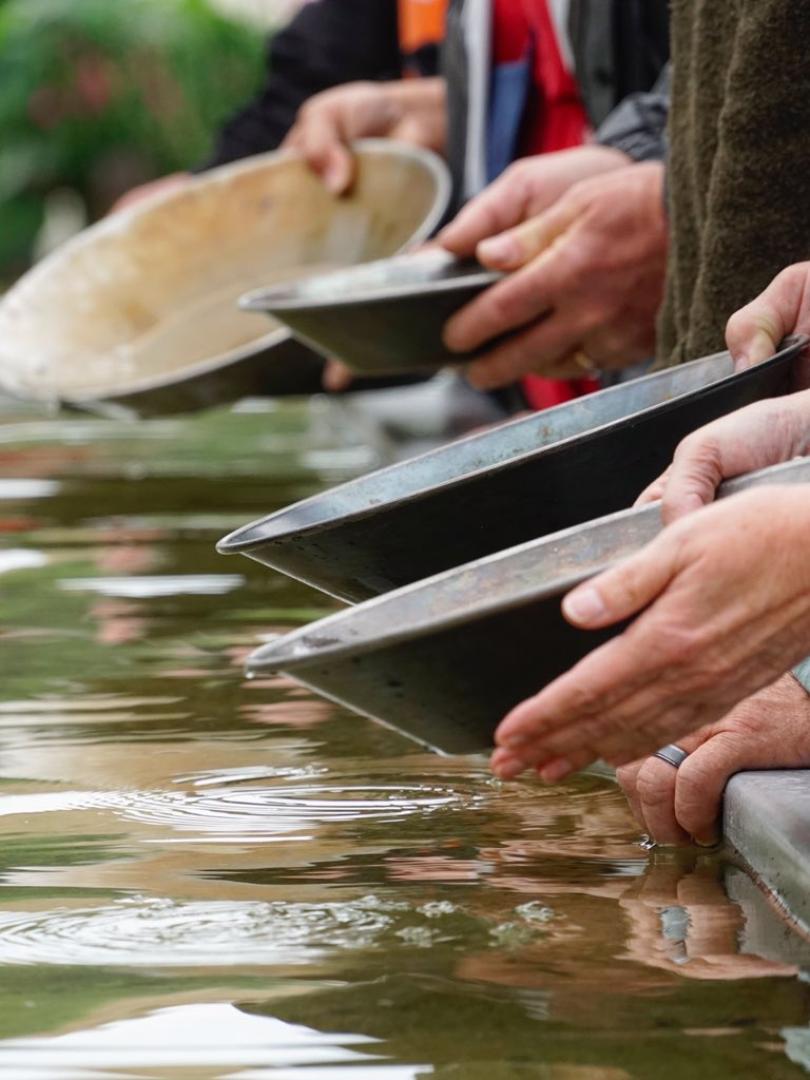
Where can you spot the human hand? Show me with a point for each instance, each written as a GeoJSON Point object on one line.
{"type": "Point", "coordinates": [680, 919]}
{"type": "Point", "coordinates": [524, 190]}
{"type": "Point", "coordinates": [724, 596]}
{"type": "Point", "coordinates": [760, 435]}
{"type": "Point", "coordinates": [755, 332]}
{"type": "Point", "coordinates": [586, 282]}
{"type": "Point", "coordinates": [163, 186]}
{"type": "Point", "coordinates": [769, 730]}
{"type": "Point", "coordinates": [411, 110]}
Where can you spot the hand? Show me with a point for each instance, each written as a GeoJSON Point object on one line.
{"type": "Point", "coordinates": [727, 598]}
{"type": "Point", "coordinates": [336, 377]}
{"type": "Point", "coordinates": [166, 184]}
{"type": "Point", "coordinates": [708, 944]}
{"type": "Point", "coordinates": [411, 110]}
{"type": "Point", "coordinates": [587, 278]}
{"type": "Point", "coordinates": [769, 730]}
{"type": "Point", "coordinates": [524, 190]}
{"type": "Point", "coordinates": [762, 434]}
{"type": "Point", "coordinates": [754, 333]}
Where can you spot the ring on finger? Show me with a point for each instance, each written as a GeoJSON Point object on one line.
{"type": "Point", "coordinates": [672, 755]}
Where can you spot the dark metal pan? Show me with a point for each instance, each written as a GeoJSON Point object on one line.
{"type": "Point", "coordinates": [443, 660]}
{"type": "Point", "coordinates": [382, 317]}
{"type": "Point", "coordinates": [504, 486]}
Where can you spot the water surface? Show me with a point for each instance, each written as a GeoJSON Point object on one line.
{"type": "Point", "coordinates": [209, 877]}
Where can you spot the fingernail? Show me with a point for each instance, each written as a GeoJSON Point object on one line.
{"type": "Point", "coordinates": [555, 771]}
{"type": "Point", "coordinates": [509, 768]}
{"type": "Point", "coordinates": [706, 842]}
{"type": "Point", "coordinates": [499, 250]}
{"type": "Point", "coordinates": [583, 606]}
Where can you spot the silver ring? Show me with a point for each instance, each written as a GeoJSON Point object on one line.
{"type": "Point", "coordinates": [672, 755]}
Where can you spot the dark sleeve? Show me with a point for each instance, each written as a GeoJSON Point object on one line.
{"type": "Point", "coordinates": [329, 42]}
{"type": "Point", "coordinates": [639, 125]}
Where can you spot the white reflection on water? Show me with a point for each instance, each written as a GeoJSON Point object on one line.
{"type": "Point", "coordinates": [216, 1040]}
{"type": "Point", "coordinates": [147, 587]}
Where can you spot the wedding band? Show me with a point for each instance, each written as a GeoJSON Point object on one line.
{"type": "Point", "coordinates": [581, 359]}
{"type": "Point", "coordinates": [672, 755]}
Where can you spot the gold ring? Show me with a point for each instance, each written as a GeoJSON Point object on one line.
{"type": "Point", "coordinates": [581, 359]}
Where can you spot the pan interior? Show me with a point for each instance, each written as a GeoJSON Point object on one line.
{"type": "Point", "coordinates": [423, 271]}
{"type": "Point", "coordinates": [487, 450]}
{"type": "Point", "coordinates": [151, 294]}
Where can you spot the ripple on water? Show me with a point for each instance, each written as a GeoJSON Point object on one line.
{"type": "Point", "coordinates": [269, 812]}
{"type": "Point", "coordinates": [142, 931]}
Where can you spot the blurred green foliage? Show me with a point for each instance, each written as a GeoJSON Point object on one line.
{"type": "Point", "coordinates": [98, 95]}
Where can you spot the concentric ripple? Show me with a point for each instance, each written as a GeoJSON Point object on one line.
{"type": "Point", "coordinates": [149, 932]}
{"type": "Point", "coordinates": [269, 812]}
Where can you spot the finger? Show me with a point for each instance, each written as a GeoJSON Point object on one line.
{"type": "Point", "coordinates": [627, 778]}
{"type": "Point", "coordinates": [754, 333]}
{"type": "Point", "coordinates": [321, 143]}
{"type": "Point", "coordinates": [655, 786]}
{"type": "Point", "coordinates": [519, 245]}
{"type": "Point", "coordinates": [654, 491]}
{"type": "Point", "coordinates": [500, 206]}
{"type": "Point", "coordinates": [560, 768]}
{"type": "Point", "coordinates": [544, 348]}
{"type": "Point", "coordinates": [623, 590]}
{"type": "Point", "coordinates": [696, 472]}
{"type": "Point", "coordinates": [702, 779]}
{"type": "Point", "coordinates": [336, 376]}
{"type": "Point", "coordinates": [506, 765]}
{"type": "Point", "coordinates": [506, 305]}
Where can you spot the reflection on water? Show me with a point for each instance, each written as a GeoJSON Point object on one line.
{"type": "Point", "coordinates": [209, 877]}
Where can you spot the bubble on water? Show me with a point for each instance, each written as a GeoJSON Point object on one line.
{"type": "Point", "coordinates": [421, 937]}
{"type": "Point", "coordinates": [154, 932]}
{"type": "Point", "coordinates": [434, 909]}
{"type": "Point", "coordinates": [510, 934]}
{"type": "Point", "coordinates": [535, 912]}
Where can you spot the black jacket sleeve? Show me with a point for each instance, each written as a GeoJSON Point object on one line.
{"type": "Point", "coordinates": [639, 125]}
{"type": "Point", "coordinates": [327, 43]}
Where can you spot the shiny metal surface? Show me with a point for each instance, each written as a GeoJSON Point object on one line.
{"type": "Point", "coordinates": [444, 659]}
{"type": "Point", "coordinates": [503, 486]}
{"type": "Point", "coordinates": [384, 316]}
{"type": "Point", "coordinates": [140, 311]}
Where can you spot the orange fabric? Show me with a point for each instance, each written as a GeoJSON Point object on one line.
{"type": "Point", "coordinates": [421, 22]}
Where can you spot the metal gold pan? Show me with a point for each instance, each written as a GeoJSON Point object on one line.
{"type": "Point", "coordinates": [380, 318]}
{"type": "Point", "coordinates": [443, 660]}
{"type": "Point", "coordinates": [140, 311]}
{"type": "Point", "coordinates": [504, 486]}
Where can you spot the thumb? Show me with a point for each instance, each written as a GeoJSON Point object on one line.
{"type": "Point", "coordinates": [518, 246]}
{"type": "Point", "coordinates": [754, 333]}
{"type": "Point", "coordinates": [624, 590]}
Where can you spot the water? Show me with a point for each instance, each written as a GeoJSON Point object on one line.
{"type": "Point", "coordinates": [208, 877]}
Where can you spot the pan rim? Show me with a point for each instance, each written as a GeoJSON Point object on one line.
{"type": "Point", "coordinates": [232, 544]}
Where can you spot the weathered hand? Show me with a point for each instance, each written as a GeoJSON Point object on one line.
{"type": "Point", "coordinates": [769, 730]}
{"type": "Point", "coordinates": [412, 110]}
{"type": "Point", "coordinates": [588, 277]}
{"type": "Point", "coordinates": [524, 190]}
{"type": "Point", "coordinates": [760, 435]}
{"type": "Point", "coordinates": [727, 598]}
{"type": "Point", "coordinates": [710, 924]}
{"type": "Point", "coordinates": [754, 333]}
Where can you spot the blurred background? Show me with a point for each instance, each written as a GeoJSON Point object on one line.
{"type": "Point", "coordinates": [99, 96]}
